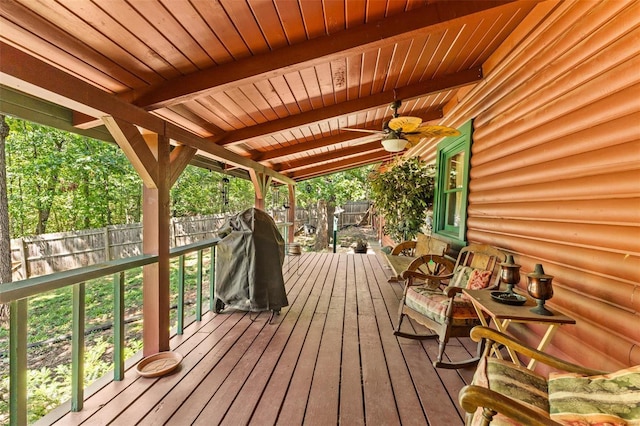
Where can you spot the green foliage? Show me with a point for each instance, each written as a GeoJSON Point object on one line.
{"type": "Point", "coordinates": [403, 193]}
{"type": "Point", "coordinates": [350, 185]}
{"type": "Point", "coordinates": [199, 192]}
{"type": "Point", "coordinates": [59, 181]}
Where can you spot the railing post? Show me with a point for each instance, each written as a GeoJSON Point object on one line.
{"type": "Point", "coordinates": [118, 326]}
{"type": "Point", "coordinates": [77, 348]}
{"type": "Point", "coordinates": [212, 278]}
{"type": "Point", "coordinates": [199, 288]}
{"type": "Point", "coordinates": [18, 362]}
{"type": "Point", "coordinates": [180, 313]}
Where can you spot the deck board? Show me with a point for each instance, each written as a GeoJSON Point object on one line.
{"type": "Point", "coordinates": [328, 358]}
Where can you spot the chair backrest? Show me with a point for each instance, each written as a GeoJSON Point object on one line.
{"type": "Point", "coordinates": [427, 244]}
{"type": "Point", "coordinates": [481, 257]}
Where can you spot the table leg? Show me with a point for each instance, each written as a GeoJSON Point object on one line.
{"type": "Point", "coordinates": [484, 322]}
{"type": "Point", "coordinates": [543, 343]}
{"type": "Point", "coordinates": [502, 327]}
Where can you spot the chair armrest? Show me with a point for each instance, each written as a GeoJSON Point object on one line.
{"type": "Point", "coordinates": [492, 335]}
{"type": "Point", "coordinates": [451, 291]}
{"type": "Point", "coordinates": [405, 245]}
{"type": "Point", "coordinates": [471, 397]}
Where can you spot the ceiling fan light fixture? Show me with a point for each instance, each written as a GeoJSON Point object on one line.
{"type": "Point", "coordinates": [394, 144]}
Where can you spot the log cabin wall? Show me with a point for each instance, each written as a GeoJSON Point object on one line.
{"type": "Point", "coordinates": [555, 169]}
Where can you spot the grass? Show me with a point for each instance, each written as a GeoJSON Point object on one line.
{"type": "Point", "coordinates": [49, 331]}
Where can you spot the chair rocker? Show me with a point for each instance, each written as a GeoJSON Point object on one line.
{"type": "Point", "coordinates": [444, 310]}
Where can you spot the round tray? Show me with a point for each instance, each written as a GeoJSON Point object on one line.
{"type": "Point", "coordinates": [508, 298]}
{"type": "Point", "coordinates": [158, 364]}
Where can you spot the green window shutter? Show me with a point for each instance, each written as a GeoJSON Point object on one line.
{"type": "Point", "coordinates": [452, 186]}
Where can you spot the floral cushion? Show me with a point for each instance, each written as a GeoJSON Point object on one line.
{"type": "Point", "coordinates": [611, 399]}
{"type": "Point", "coordinates": [516, 382]}
{"type": "Point", "coordinates": [478, 279]}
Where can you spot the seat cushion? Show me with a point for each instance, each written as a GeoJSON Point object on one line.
{"type": "Point", "coordinates": [611, 399]}
{"type": "Point", "coordinates": [513, 381]}
{"type": "Point", "coordinates": [433, 304]}
{"type": "Point", "coordinates": [478, 279]}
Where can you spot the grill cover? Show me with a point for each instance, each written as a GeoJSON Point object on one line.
{"type": "Point", "coordinates": [249, 263]}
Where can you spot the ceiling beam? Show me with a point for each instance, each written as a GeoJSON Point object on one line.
{"type": "Point", "coordinates": [27, 74]}
{"type": "Point", "coordinates": [337, 166]}
{"type": "Point", "coordinates": [313, 144]}
{"type": "Point", "coordinates": [447, 82]}
{"type": "Point", "coordinates": [327, 156]}
{"type": "Point", "coordinates": [416, 23]}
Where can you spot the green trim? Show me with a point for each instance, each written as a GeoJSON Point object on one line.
{"type": "Point", "coordinates": [199, 288]}
{"type": "Point", "coordinates": [180, 313]}
{"type": "Point", "coordinates": [77, 348]}
{"type": "Point", "coordinates": [118, 327]}
{"type": "Point", "coordinates": [447, 149]}
{"type": "Point", "coordinates": [18, 362]}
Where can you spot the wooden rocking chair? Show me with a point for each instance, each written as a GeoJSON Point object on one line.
{"type": "Point", "coordinates": [445, 310]}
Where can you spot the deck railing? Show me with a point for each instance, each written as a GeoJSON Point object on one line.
{"type": "Point", "coordinates": [16, 295]}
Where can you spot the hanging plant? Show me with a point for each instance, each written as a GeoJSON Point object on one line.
{"type": "Point", "coordinates": [402, 193]}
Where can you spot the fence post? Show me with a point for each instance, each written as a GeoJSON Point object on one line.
{"type": "Point", "coordinates": [107, 245]}
{"type": "Point", "coordinates": [23, 258]}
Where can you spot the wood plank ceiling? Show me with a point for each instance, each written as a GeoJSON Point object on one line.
{"type": "Point", "coordinates": [275, 81]}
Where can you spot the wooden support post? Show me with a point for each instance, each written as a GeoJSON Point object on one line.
{"type": "Point", "coordinates": [151, 156]}
{"type": "Point", "coordinates": [261, 183]}
{"type": "Point", "coordinates": [155, 231]}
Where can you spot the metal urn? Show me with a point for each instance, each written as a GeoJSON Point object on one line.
{"type": "Point", "coordinates": [510, 273]}
{"type": "Point", "coordinates": [540, 288]}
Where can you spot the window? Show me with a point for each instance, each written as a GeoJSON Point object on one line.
{"type": "Point", "coordinates": [450, 207]}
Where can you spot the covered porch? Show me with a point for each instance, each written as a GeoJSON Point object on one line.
{"type": "Point", "coordinates": [330, 357]}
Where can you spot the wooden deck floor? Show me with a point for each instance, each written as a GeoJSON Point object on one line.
{"type": "Point", "coordinates": [329, 358]}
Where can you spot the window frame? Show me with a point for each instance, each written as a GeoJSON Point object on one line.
{"type": "Point", "coordinates": [446, 150]}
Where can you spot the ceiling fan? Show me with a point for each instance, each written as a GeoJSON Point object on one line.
{"type": "Point", "coordinates": [402, 132]}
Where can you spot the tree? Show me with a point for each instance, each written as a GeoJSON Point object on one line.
{"type": "Point", "coordinates": [335, 190]}
{"type": "Point", "coordinates": [5, 238]}
{"type": "Point", "coordinates": [403, 192]}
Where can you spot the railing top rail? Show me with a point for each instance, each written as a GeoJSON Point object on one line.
{"type": "Point", "coordinates": [198, 245]}
{"type": "Point", "coordinates": [37, 285]}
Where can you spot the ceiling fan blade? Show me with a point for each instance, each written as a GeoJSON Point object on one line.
{"type": "Point", "coordinates": [362, 130]}
{"type": "Point", "coordinates": [404, 124]}
{"type": "Point", "coordinates": [413, 138]}
{"type": "Point", "coordinates": [434, 132]}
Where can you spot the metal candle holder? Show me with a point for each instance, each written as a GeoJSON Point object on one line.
{"type": "Point", "coordinates": [540, 288]}
{"type": "Point", "coordinates": [510, 273]}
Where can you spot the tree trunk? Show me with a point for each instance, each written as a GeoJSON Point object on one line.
{"type": "Point", "coordinates": [322, 231]}
{"type": "Point", "coordinates": [5, 238]}
{"type": "Point", "coordinates": [44, 207]}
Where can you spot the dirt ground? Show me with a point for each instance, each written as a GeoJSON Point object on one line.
{"type": "Point", "coordinates": [346, 239]}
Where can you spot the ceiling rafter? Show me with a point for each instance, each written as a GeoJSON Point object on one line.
{"type": "Point", "coordinates": [30, 75]}
{"type": "Point", "coordinates": [418, 22]}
